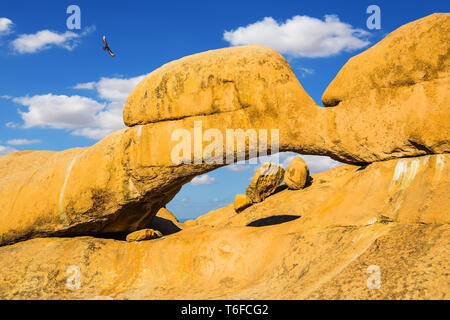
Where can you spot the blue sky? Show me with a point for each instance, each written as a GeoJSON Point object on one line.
{"type": "Point", "coordinates": [60, 90]}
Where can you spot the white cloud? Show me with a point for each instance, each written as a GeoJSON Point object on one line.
{"type": "Point", "coordinates": [86, 86]}
{"type": "Point", "coordinates": [59, 111]}
{"type": "Point", "coordinates": [301, 36]}
{"type": "Point", "coordinates": [112, 89]}
{"type": "Point", "coordinates": [5, 150]}
{"type": "Point", "coordinates": [315, 164]}
{"type": "Point", "coordinates": [5, 26]}
{"type": "Point", "coordinates": [305, 71]}
{"type": "Point", "coordinates": [45, 39]}
{"type": "Point", "coordinates": [11, 124]}
{"type": "Point", "coordinates": [203, 180]}
{"type": "Point", "coordinates": [94, 133]}
{"type": "Point", "coordinates": [318, 164]}
{"type": "Point", "coordinates": [22, 142]}
{"type": "Point", "coordinates": [82, 116]}
{"type": "Point", "coordinates": [238, 167]}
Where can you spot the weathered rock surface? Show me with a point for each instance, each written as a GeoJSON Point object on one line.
{"type": "Point", "coordinates": [190, 223]}
{"type": "Point", "coordinates": [389, 102]}
{"type": "Point", "coordinates": [410, 190]}
{"type": "Point", "coordinates": [242, 82]}
{"type": "Point", "coordinates": [119, 184]}
{"type": "Point", "coordinates": [392, 99]}
{"type": "Point", "coordinates": [166, 214]}
{"type": "Point", "coordinates": [265, 181]}
{"type": "Point", "coordinates": [325, 254]}
{"type": "Point", "coordinates": [296, 174]}
{"type": "Point", "coordinates": [144, 234]}
{"type": "Point", "coordinates": [236, 263]}
{"type": "Point", "coordinates": [284, 204]}
{"type": "Point", "coordinates": [165, 222]}
{"type": "Point", "coordinates": [242, 202]}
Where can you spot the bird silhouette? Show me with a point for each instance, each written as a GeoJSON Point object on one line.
{"type": "Point", "coordinates": [106, 47]}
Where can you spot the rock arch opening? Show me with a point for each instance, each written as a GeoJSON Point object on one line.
{"type": "Point", "coordinates": [217, 189]}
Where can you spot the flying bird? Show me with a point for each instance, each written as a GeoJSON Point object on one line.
{"type": "Point", "coordinates": [106, 47]}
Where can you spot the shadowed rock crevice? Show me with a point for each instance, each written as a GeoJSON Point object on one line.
{"type": "Point", "coordinates": [331, 103]}
{"type": "Point", "coordinates": [167, 227]}
{"type": "Point", "coordinates": [274, 220]}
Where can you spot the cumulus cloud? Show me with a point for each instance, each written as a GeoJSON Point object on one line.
{"type": "Point", "coordinates": [112, 89]}
{"type": "Point", "coordinates": [22, 142]}
{"type": "Point", "coordinates": [316, 164]}
{"type": "Point", "coordinates": [42, 40]}
{"type": "Point", "coordinates": [85, 86]}
{"type": "Point", "coordinates": [305, 71]}
{"type": "Point", "coordinates": [4, 150]}
{"type": "Point", "coordinates": [80, 115]}
{"type": "Point", "coordinates": [203, 180]}
{"type": "Point", "coordinates": [5, 26]}
{"type": "Point", "coordinates": [46, 39]}
{"type": "Point", "coordinates": [301, 36]}
{"type": "Point", "coordinates": [58, 111]}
